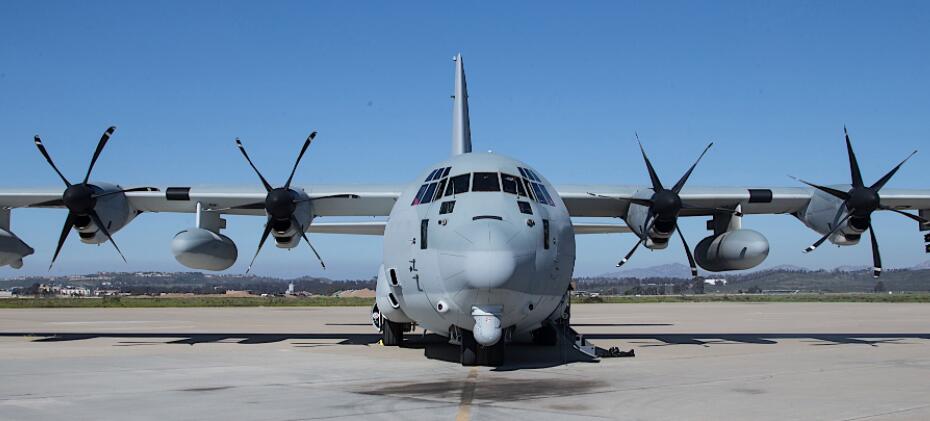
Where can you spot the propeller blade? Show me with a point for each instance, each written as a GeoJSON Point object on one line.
{"type": "Point", "coordinates": [103, 229]}
{"type": "Point", "coordinates": [100, 146]}
{"type": "Point", "coordinates": [332, 196]}
{"type": "Point", "coordinates": [684, 179]}
{"type": "Point", "coordinates": [69, 222]}
{"type": "Point", "coordinates": [630, 254]}
{"type": "Point", "coordinates": [734, 212]}
{"type": "Point", "coordinates": [881, 182]}
{"type": "Point", "coordinates": [694, 271]}
{"type": "Point", "coordinates": [54, 203]}
{"type": "Point", "coordinates": [909, 215]}
{"type": "Point", "coordinates": [264, 182]}
{"type": "Point", "coordinates": [876, 256]}
{"type": "Point", "coordinates": [256, 205]}
{"type": "Point", "coordinates": [49, 159]}
{"type": "Point", "coordinates": [299, 157]}
{"type": "Point", "coordinates": [260, 244]}
{"type": "Point", "coordinates": [836, 227]}
{"type": "Point", "coordinates": [656, 183]}
{"type": "Point", "coordinates": [642, 202]}
{"type": "Point", "coordinates": [307, 240]}
{"type": "Point", "coordinates": [134, 189]}
{"type": "Point", "coordinates": [853, 162]}
{"type": "Point", "coordinates": [839, 194]}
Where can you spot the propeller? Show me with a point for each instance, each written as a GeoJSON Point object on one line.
{"type": "Point", "coordinates": [665, 205]}
{"type": "Point", "coordinates": [81, 198]}
{"type": "Point", "coordinates": [280, 203]}
{"type": "Point", "coordinates": [860, 202]}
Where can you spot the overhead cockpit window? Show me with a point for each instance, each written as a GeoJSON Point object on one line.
{"type": "Point", "coordinates": [458, 184]}
{"type": "Point", "coordinates": [445, 173]}
{"type": "Point", "coordinates": [431, 175]}
{"type": "Point", "coordinates": [486, 181]}
{"type": "Point", "coordinates": [509, 183]}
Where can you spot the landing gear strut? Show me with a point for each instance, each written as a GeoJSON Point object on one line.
{"type": "Point", "coordinates": [471, 353]}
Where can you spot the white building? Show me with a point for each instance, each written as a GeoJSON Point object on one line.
{"type": "Point", "coordinates": [74, 291]}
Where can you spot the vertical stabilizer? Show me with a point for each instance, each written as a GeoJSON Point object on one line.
{"type": "Point", "coordinates": [461, 128]}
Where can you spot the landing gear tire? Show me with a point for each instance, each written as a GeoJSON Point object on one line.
{"type": "Point", "coordinates": [392, 334]}
{"type": "Point", "coordinates": [545, 336]}
{"type": "Point", "coordinates": [492, 356]}
{"type": "Point", "coordinates": [468, 350]}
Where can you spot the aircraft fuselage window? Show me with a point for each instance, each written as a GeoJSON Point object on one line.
{"type": "Point", "coordinates": [509, 183]}
{"type": "Point", "coordinates": [447, 207]}
{"type": "Point", "coordinates": [458, 184]}
{"type": "Point", "coordinates": [486, 181]}
{"type": "Point", "coordinates": [525, 207]}
{"type": "Point", "coordinates": [424, 230]}
{"type": "Point", "coordinates": [545, 234]}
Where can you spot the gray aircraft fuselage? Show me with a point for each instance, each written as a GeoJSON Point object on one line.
{"type": "Point", "coordinates": [475, 250]}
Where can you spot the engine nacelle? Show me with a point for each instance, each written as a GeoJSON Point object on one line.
{"type": "Point", "coordinates": [734, 250]}
{"type": "Point", "coordinates": [203, 249]}
{"type": "Point", "coordinates": [657, 238]}
{"type": "Point", "coordinates": [12, 249]}
{"type": "Point", "coordinates": [824, 211]}
{"type": "Point", "coordinates": [114, 211]}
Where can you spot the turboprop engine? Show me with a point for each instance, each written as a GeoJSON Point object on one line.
{"type": "Point", "coordinates": [734, 250]}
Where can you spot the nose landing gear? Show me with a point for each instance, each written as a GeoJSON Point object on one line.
{"type": "Point", "coordinates": [472, 353]}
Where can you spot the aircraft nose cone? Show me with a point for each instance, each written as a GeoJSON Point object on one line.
{"type": "Point", "coordinates": [490, 263]}
{"type": "Point", "coordinates": [489, 269]}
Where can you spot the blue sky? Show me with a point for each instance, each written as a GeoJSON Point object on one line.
{"type": "Point", "coordinates": [560, 86]}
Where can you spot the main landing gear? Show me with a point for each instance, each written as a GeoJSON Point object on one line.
{"type": "Point", "coordinates": [392, 333]}
{"type": "Point", "coordinates": [471, 353]}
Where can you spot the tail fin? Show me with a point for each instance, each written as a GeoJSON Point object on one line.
{"type": "Point", "coordinates": [461, 128]}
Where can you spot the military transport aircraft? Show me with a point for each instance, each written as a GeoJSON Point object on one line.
{"type": "Point", "coordinates": [481, 247]}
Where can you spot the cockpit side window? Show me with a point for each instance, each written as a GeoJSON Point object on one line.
{"type": "Point", "coordinates": [486, 181]}
{"type": "Point", "coordinates": [458, 184]}
{"type": "Point", "coordinates": [441, 188]}
{"type": "Point", "coordinates": [428, 194]}
{"type": "Point", "coordinates": [509, 183]}
{"type": "Point", "coordinates": [419, 196]}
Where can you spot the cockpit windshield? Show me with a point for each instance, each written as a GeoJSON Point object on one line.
{"type": "Point", "coordinates": [438, 184]}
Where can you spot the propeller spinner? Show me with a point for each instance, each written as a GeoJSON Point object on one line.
{"type": "Point", "coordinates": [860, 202]}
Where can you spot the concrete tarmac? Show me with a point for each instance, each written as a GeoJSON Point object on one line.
{"type": "Point", "coordinates": [829, 361]}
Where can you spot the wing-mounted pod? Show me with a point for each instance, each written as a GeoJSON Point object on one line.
{"type": "Point", "coordinates": [731, 247]}
{"type": "Point", "coordinates": [12, 249]}
{"type": "Point", "coordinates": [95, 210]}
{"type": "Point", "coordinates": [202, 246]}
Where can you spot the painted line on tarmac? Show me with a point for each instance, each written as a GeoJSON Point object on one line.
{"type": "Point", "coordinates": [468, 394]}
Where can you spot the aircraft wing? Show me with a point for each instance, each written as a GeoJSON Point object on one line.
{"type": "Point", "coordinates": [328, 200]}
{"type": "Point", "coordinates": [614, 200]}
